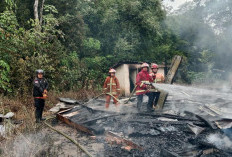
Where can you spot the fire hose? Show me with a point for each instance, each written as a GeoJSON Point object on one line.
{"type": "Point", "coordinates": [112, 96]}
{"type": "Point", "coordinates": [131, 94]}
{"type": "Point", "coordinates": [68, 137]}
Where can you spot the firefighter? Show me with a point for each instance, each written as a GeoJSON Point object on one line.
{"type": "Point", "coordinates": [157, 78]}
{"type": "Point", "coordinates": [143, 79]}
{"type": "Point", "coordinates": [40, 87]}
{"type": "Point", "coordinates": [111, 88]}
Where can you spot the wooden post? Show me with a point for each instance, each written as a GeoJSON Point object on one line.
{"type": "Point", "coordinates": [173, 69]}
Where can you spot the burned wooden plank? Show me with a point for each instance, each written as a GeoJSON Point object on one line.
{"type": "Point", "coordinates": [224, 123]}
{"type": "Point", "coordinates": [75, 125]}
{"type": "Point", "coordinates": [168, 116]}
{"type": "Point", "coordinates": [163, 122]}
{"type": "Point", "coordinates": [174, 67]}
{"type": "Point", "coordinates": [114, 138]}
{"type": "Point", "coordinates": [99, 118]}
{"type": "Point", "coordinates": [167, 153]}
{"type": "Point", "coordinates": [195, 129]}
{"type": "Point", "coordinates": [212, 125]}
{"type": "Point", "coordinates": [68, 101]}
{"type": "Point", "coordinates": [162, 100]}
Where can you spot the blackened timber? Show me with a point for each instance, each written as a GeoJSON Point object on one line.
{"type": "Point", "coordinates": [95, 119]}
{"type": "Point", "coordinates": [169, 122]}
{"type": "Point", "coordinates": [167, 153]}
{"type": "Point", "coordinates": [162, 100]}
{"type": "Point", "coordinates": [112, 136]}
{"type": "Point", "coordinates": [75, 125]}
{"type": "Point", "coordinates": [168, 116]}
{"type": "Point", "coordinates": [212, 125]}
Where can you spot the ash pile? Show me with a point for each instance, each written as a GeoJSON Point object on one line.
{"type": "Point", "coordinates": [190, 124]}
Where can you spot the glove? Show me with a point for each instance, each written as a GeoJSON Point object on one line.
{"type": "Point", "coordinates": [45, 96]}
{"type": "Point", "coordinates": [45, 91]}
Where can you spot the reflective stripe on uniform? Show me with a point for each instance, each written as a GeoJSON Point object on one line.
{"type": "Point", "coordinates": [111, 79]}
{"type": "Point", "coordinates": [111, 84]}
{"type": "Point", "coordinates": [145, 81]}
{"type": "Point", "coordinates": [118, 89]}
{"type": "Point", "coordinates": [141, 84]}
{"type": "Point", "coordinates": [140, 91]}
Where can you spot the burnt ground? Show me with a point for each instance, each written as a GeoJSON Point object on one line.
{"type": "Point", "coordinates": [165, 133]}
{"type": "Point", "coordinates": [149, 131]}
{"type": "Point", "coordinates": [169, 132]}
{"type": "Point", "coordinates": [156, 133]}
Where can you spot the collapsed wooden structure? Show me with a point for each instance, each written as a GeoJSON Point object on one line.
{"type": "Point", "coordinates": [163, 133]}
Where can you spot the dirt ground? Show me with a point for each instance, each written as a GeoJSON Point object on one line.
{"type": "Point", "coordinates": [46, 142]}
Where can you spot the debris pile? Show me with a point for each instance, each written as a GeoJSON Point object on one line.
{"type": "Point", "coordinates": [188, 131]}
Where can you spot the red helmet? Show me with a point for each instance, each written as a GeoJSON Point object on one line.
{"type": "Point", "coordinates": [154, 66]}
{"type": "Point", "coordinates": [112, 71]}
{"type": "Point", "coordinates": [145, 65]}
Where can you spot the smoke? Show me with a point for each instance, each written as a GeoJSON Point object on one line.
{"type": "Point", "coordinates": [220, 141]}
{"type": "Point", "coordinates": [38, 144]}
{"type": "Point", "coordinates": [207, 26]}
{"type": "Point", "coordinates": [198, 100]}
{"type": "Point", "coordinates": [2, 130]}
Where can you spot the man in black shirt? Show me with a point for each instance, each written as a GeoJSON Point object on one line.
{"type": "Point", "coordinates": [40, 86]}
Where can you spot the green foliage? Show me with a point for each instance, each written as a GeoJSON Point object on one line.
{"type": "Point", "coordinates": [203, 77]}
{"type": "Point", "coordinates": [4, 77]}
{"type": "Point", "coordinates": [28, 50]}
{"type": "Point", "coordinates": [78, 41]}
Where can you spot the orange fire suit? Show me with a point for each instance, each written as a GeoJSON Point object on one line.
{"type": "Point", "coordinates": [111, 86]}
{"type": "Point", "coordinates": [159, 78]}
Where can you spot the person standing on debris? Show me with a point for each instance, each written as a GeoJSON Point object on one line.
{"type": "Point", "coordinates": [157, 78]}
{"type": "Point", "coordinates": [143, 81]}
{"type": "Point", "coordinates": [111, 88]}
{"type": "Point", "coordinates": [40, 87]}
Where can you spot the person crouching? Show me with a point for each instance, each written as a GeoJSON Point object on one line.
{"type": "Point", "coordinates": [111, 88]}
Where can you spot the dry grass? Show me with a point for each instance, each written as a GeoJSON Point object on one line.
{"type": "Point", "coordinates": [24, 111]}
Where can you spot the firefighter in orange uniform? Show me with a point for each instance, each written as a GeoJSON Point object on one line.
{"type": "Point", "coordinates": [143, 79]}
{"type": "Point", "coordinates": [157, 78]}
{"type": "Point", "coordinates": [111, 87]}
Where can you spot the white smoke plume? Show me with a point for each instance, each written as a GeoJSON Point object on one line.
{"type": "Point", "coordinates": [220, 141]}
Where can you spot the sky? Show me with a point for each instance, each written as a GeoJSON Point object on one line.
{"type": "Point", "coordinates": [174, 4]}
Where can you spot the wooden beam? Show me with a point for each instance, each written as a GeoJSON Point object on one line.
{"type": "Point", "coordinates": [174, 67]}
{"type": "Point", "coordinates": [113, 138]}
{"type": "Point", "coordinates": [75, 125]}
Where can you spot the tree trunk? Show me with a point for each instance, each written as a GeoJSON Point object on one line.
{"type": "Point", "coordinates": [36, 14]}
{"type": "Point", "coordinates": [41, 13]}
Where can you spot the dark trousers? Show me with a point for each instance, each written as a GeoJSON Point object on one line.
{"type": "Point", "coordinates": [156, 97]}
{"type": "Point", "coordinates": [39, 106]}
{"type": "Point", "coordinates": [149, 104]}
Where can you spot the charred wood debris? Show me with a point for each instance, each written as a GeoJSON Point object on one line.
{"type": "Point", "coordinates": [162, 133]}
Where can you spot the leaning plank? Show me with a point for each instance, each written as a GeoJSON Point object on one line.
{"type": "Point", "coordinates": [174, 67]}
{"type": "Point", "coordinates": [162, 99]}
